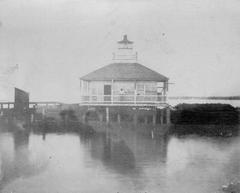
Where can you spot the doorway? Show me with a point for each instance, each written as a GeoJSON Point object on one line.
{"type": "Point", "coordinates": [107, 93]}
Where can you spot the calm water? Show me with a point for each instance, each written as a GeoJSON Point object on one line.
{"type": "Point", "coordinates": [122, 162]}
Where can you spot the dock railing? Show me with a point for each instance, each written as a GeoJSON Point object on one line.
{"type": "Point", "coordinates": [123, 99]}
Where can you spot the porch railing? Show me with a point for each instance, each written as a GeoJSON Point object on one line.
{"type": "Point", "coordinates": [123, 99]}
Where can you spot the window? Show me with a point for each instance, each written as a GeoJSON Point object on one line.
{"type": "Point", "coordinates": [150, 89]}
{"type": "Point", "coordinates": [140, 89]}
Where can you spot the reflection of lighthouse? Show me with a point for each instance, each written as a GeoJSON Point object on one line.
{"type": "Point", "coordinates": [8, 76]}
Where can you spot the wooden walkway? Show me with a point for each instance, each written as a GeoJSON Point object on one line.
{"type": "Point", "coordinates": [10, 105]}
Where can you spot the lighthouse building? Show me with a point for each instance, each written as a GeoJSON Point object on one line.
{"type": "Point", "coordinates": [124, 81]}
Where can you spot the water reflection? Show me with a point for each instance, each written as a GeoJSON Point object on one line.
{"type": "Point", "coordinates": [123, 152]}
{"type": "Point", "coordinates": [117, 160]}
{"type": "Point", "coordinates": [129, 154]}
{"type": "Point", "coordinates": [19, 164]}
{"type": "Point", "coordinates": [114, 154]}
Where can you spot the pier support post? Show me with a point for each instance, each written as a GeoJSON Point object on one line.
{"type": "Point", "coordinates": [154, 119]}
{"type": "Point", "coordinates": [107, 114]}
{"type": "Point", "coordinates": [84, 117]}
{"type": "Point", "coordinates": [100, 117]}
{"type": "Point", "coordinates": [43, 112]}
{"type": "Point", "coordinates": [168, 116]}
{"type": "Point", "coordinates": [32, 118]}
{"type": "Point", "coordinates": [135, 118]}
{"type": "Point", "coordinates": [118, 118]}
{"type": "Point", "coordinates": [145, 120]}
{"type": "Point", "coordinates": [161, 116]}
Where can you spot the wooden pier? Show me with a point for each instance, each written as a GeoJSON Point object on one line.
{"type": "Point", "coordinates": [135, 113]}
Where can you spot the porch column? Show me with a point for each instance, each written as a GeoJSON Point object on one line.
{"type": "Point", "coordinates": [135, 92]}
{"type": "Point", "coordinates": [88, 93]}
{"type": "Point", "coordinates": [112, 92]}
{"type": "Point", "coordinates": [80, 86]}
{"type": "Point", "coordinates": [164, 91]}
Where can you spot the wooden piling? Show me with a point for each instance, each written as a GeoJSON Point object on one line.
{"type": "Point", "coordinates": [161, 117]}
{"type": "Point", "coordinates": [168, 116]}
{"type": "Point", "coordinates": [118, 118]}
{"type": "Point", "coordinates": [32, 118]}
{"type": "Point", "coordinates": [145, 120]}
{"type": "Point", "coordinates": [84, 117]}
{"type": "Point", "coordinates": [135, 118]}
{"type": "Point", "coordinates": [100, 117]}
{"type": "Point", "coordinates": [107, 114]}
{"type": "Point", "coordinates": [154, 119]}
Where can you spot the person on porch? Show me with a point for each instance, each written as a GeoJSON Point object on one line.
{"type": "Point", "coordinates": [121, 92]}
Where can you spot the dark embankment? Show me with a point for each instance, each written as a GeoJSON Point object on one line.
{"type": "Point", "coordinates": [206, 119]}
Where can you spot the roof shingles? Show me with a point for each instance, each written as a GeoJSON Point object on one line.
{"type": "Point", "coordinates": [126, 72]}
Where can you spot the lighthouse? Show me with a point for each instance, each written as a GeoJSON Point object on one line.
{"type": "Point", "coordinates": [125, 51]}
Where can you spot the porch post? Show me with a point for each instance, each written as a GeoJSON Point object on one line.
{"type": "Point", "coordinates": [88, 91]}
{"type": "Point", "coordinates": [164, 91]}
{"type": "Point", "coordinates": [135, 92]}
{"type": "Point", "coordinates": [112, 92]}
{"type": "Point", "coordinates": [80, 84]}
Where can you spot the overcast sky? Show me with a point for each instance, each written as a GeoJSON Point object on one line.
{"type": "Point", "coordinates": [196, 43]}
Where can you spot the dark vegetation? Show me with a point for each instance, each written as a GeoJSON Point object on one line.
{"type": "Point", "coordinates": [205, 114]}
{"type": "Point", "coordinates": [68, 123]}
{"type": "Point", "coordinates": [206, 119]}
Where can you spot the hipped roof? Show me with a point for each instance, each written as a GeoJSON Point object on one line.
{"type": "Point", "coordinates": [125, 72]}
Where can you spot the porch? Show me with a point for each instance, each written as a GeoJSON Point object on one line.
{"type": "Point", "coordinates": [124, 100]}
